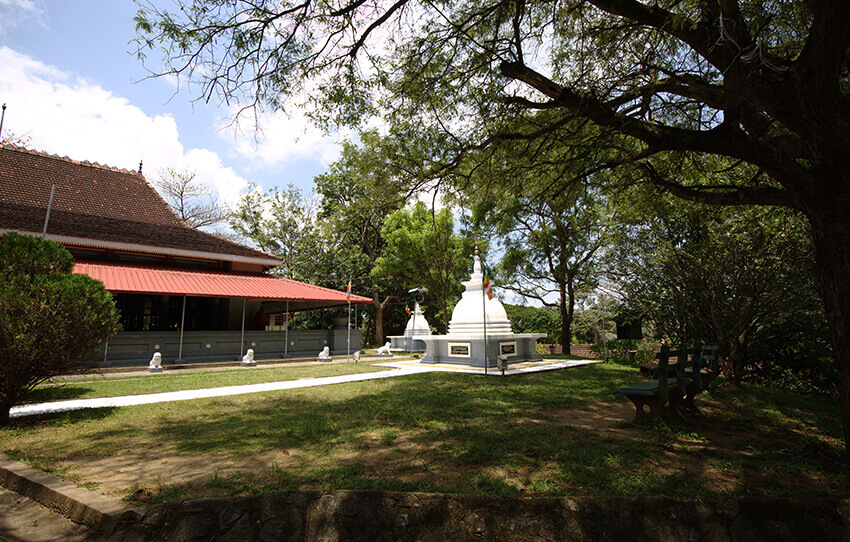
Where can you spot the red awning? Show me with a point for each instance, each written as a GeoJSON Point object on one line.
{"type": "Point", "coordinates": [138, 279]}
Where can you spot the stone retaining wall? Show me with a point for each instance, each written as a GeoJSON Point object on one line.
{"type": "Point", "coordinates": [379, 516]}
{"type": "Point", "coordinates": [581, 350]}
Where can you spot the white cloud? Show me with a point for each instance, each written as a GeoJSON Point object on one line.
{"type": "Point", "coordinates": [14, 12]}
{"type": "Point", "coordinates": [282, 138]}
{"type": "Point", "coordinates": [64, 115]}
{"type": "Point", "coordinates": [224, 180]}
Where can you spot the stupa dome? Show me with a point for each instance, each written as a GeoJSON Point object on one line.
{"type": "Point", "coordinates": [417, 324]}
{"type": "Point", "coordinates": [468, 315]}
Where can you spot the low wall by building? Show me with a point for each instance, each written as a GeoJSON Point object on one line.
{"type": "Point", "coordinates": [137, 348]}
{"type": "Point", "coordinates": [386, 516]}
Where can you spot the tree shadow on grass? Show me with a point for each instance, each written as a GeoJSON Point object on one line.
{"type": "Point", "coordinates": [56, 393]}
{"type": "Point", "coordinates": [67, 418]}
{"type": "Point", "coordinates": [483, 431]}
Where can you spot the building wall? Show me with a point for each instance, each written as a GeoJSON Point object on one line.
{"type": "Point", "coordinates": [137, 348]}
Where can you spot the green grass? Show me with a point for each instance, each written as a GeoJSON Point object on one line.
{"type": "Point", "coordinates": [173, 381]}
{"type": "Point", "coordinates": [457, 433]}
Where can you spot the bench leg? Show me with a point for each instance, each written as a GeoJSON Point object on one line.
{"type": "Point", "coordinates": [652, 410]}
{"type": "Point", "coordinates": [676, 404]}
{"type": "Point", "coordinates": [688, 402]}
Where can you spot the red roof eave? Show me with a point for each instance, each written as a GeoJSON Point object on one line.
{"type": "Point", "coordinates": [138, 279]}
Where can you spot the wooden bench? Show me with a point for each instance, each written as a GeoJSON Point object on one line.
{"type": "Point", "coordinates": [653, 398]}
{"type": "Point", "coordinates": [704, 360]}
{"type": "Point", "coordinates": [666, 395]}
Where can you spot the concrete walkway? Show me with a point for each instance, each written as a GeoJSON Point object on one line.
{"type": "Point", "coordinates": [22, 519]}
{"type": "Point", "coordinates": [403, 368]}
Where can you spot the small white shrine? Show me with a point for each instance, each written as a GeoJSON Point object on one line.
{"type": "Point", "coordinates": [467, 343]}
{"type": "Point", "coordinates": [416, 329]}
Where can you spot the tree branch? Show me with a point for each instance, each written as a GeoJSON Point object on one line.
{"type": "Point", "coordinates": [721, 195]}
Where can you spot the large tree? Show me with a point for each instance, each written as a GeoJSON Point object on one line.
{"type": "Point", "coordinates": [762, 82]}
{"type": "Point", "coordinates": [51, 320]}
{"type": "Point", "coordinates": [739, 277]}
{"type": "Point", "coordinates": [550, 234]}
{"type": "Point", "coordinates": [358, 193]}
{"type": "Point", "coordinates": [423, 250]}
{"type": "Point", "coordinates": [283, 222]}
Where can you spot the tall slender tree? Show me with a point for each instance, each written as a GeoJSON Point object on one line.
{"type": "Point", "coordinates": [423, 250]}
{"type": "Point", "coordinates": [358, 194]}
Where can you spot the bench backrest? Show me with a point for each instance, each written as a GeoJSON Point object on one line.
{"type": "Point", "coordinates": [696, 365]}
{"type": "Point", "coordinates": [681, 365]}
{"type": "Point", "coordinates": [663, 363]}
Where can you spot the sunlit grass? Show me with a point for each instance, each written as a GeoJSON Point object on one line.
{"type": "Point", "coordinates": [112, 386]}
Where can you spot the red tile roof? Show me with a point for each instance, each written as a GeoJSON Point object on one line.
{"type": "Point", "coordinates": [144, 279]}
{"type": "Point", "coordinates": [97, 202]}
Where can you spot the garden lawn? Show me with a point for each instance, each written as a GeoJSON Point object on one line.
{"type": "Point", "coordinates": [113, 386]}
{"type": "Point", "coordinates": [555, 433]}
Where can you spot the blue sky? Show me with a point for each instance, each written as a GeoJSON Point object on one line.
{"type": "Point", "coordinates": [73, 87]}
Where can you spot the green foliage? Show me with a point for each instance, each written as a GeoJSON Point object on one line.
{"type": "Point", "coordinates": [283, 223]}
{"type": "Point", "coordinates": [51, 320]}
{"type": "Point", "coordinates": [333, 235]}
{"type": "Point", "coordinates": [424, 251]}
{"type": "Point", "coordinates": [535, 320]}
{"type": "Point", "coordinates": [594, 323]}
{"type": "Point", "coordinates": [358, 192]}
{"type": "Point", "coordinates": [762, 84]}
{"type": "Point", "coordinates": [739, 277]}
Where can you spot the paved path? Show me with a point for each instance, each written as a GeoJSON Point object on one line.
{"type": "Point", "coordinates": [24, 520]}
{"type": "Point", "coordinates": [402, 368]}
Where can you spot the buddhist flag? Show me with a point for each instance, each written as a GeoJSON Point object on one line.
{"type": "Point", "coordinates": [348, 292]}
{"type": "Point", "coordinates": [488, 289]}
{"type": "Point", "coordinates": [407, 309]}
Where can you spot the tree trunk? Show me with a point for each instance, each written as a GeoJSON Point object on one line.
{"type": "Point", "coordinates": [379, 321]}
{"type": "Point", "coordinates": [737, 360]}
{"type": "Point", "coordinates": [4, 414]}
{"type": "Point", "coordinates": [831, 233]}
{"type": "Point", "coordinates": [566, 305]}
{"type": "Point", "coordinates": [565, 326]}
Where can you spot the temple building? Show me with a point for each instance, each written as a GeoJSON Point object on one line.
{"type": "Point", "coordinates": [183, 292]}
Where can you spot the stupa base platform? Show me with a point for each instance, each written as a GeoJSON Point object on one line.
{"type": "Point", "coordinates": [470, 349]}
{"type": "Point", "coordinates": [401, 343]}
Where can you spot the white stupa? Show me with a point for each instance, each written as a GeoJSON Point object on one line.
{"type": "Point", "coordinates": [468, 316]}
{"type": "Point", "coordinates": [416, 328]}
{"type": "Point", "coordinates": [468, 343]}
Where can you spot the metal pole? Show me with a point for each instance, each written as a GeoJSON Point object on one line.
{"type": "Point", "coordinates": [2, 118]}
{"type": "Point", "coordinates": [242, 341]}
{"type": "Point", "coordinates": [348, 338]}
{"type": "Point", "coordinates": [286, 332]}
{"type": "Point", "coordinates": [182, 320]}
{"type": "Point", "coordinates": [49, 206]}
{"type": "Point", "coordinates": [412, 327]}
{"type": "Point", "coordinates": [105, 346]}
{"type": "Point", "coordinates": [484, 307]}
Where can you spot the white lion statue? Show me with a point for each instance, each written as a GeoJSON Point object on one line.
{"type": "Point", "coordinates": [325, 354]}
{"type": "Point", "coordinates": [385, 350]}
{"type": "Point", "coordinates": [248, 358]}
{"type": "Point", "coordinates": [155, 365]}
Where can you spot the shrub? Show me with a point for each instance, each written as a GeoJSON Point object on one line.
{"type": "Point", "coordinates": [51, 320]}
